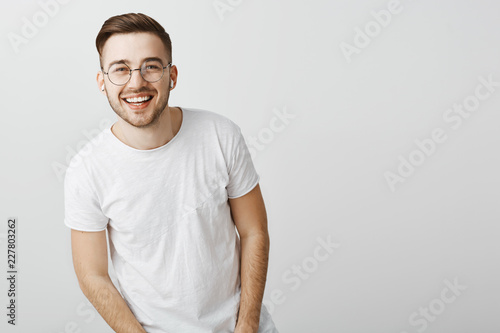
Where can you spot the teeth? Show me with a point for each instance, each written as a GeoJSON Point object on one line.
{"type": "Point", "coordinates": [137, 99]}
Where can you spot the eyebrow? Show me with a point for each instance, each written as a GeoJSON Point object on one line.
{"type": "Point", "coordinates": [125, 61]}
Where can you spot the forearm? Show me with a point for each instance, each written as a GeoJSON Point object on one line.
{"type": "Point", "coordinates": [254, 262]}
{"type": "Point", "coordinates": [102, 293]}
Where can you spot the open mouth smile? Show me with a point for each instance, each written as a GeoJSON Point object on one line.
{"type": "Point", "coordinates": [137, 103]}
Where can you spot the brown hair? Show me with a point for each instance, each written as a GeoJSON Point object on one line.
{"type": "Point", "coordinates": [130, 23]}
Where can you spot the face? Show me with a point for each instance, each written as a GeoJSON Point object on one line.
{"type": "Point", "coordinates": [133, 49]}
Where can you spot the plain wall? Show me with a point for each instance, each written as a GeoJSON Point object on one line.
{"type": "Point", "coordinates": [373, 126]}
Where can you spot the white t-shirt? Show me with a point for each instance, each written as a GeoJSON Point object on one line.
{"type": "Point", "coordinates": [172, 240]}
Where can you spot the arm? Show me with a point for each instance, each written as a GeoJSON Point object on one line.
{"type": "Point", "coordinates": [249, 215]}
{"type": "Point", "coordinates": [90, 259]}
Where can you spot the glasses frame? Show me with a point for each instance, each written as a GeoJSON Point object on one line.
{"type": "Point", "coordinates": [137, 69]}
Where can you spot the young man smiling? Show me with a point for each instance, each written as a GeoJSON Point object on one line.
{"type": "Point", "coordinates": [170, 185]}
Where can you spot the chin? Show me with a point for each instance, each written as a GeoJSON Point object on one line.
{"type": "Point", "coordinates": [142, 121]}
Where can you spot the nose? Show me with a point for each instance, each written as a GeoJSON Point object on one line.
{"type": "Point", "coordinates": [136, 80]}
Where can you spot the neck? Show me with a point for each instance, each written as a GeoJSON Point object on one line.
{"type": "Point", "coordinates": [150, 137]}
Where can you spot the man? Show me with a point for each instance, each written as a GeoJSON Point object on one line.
{"type": "Point", "coordinates": [170, 185]}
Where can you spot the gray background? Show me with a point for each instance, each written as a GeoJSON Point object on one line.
{"type": "Point", "coordinates": [353, 119]}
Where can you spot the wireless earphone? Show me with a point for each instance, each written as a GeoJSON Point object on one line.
{"type": "Point", "coordinates": [102, 88]}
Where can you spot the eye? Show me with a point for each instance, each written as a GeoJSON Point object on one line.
{"type": "Point", "coordinates": [153, 66]}
{"type": "Point", "coordinates": [119, 69]}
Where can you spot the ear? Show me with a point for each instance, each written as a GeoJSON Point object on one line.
{"type": "Point", "coordinates": [173, 76]}
{"type": "Point", "coordinates": [100, 82]}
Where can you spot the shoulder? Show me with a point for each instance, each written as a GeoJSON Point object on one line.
{"type": "Point", "coordinates": [207, 119]}
{"type": "Point", "coordinates": [87, 154]}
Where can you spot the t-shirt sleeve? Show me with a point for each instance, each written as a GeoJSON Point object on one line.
{"type": "Point", "coordinates": [82, 210]}
{"type": "Point", "coordinates": [242, 174]}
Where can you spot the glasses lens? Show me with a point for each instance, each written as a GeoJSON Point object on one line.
{"type": "Point", "coordinates": [152, 70]}
{"type": "Point", "coordinates": [119, 74]}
